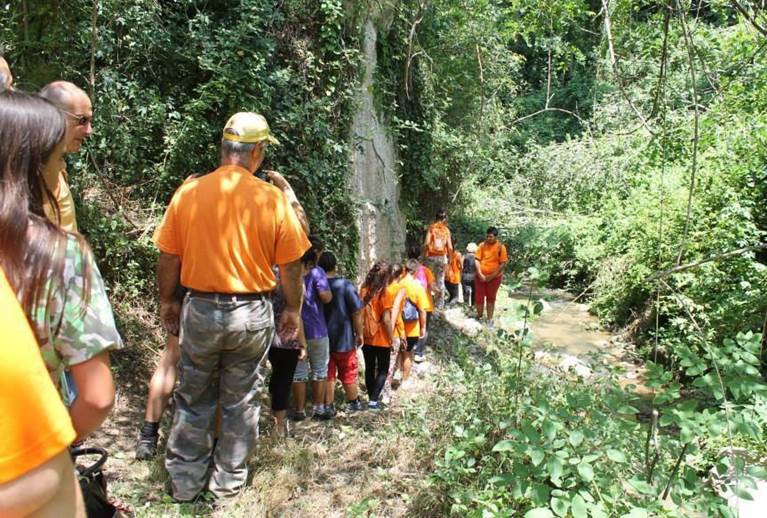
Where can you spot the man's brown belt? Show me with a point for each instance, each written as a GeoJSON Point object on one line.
{"type": "Point", "coordinates": [229, 297]}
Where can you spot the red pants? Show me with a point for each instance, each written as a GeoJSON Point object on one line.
{"type": "Point", "coordinates": [486, 290]}
{"type": "Point", "coordinates": [345, 364]}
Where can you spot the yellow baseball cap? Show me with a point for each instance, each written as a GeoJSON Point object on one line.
{"type": "Point", "coordinates": [248, 128]}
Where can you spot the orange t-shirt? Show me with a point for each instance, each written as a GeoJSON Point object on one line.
{"type": "Point", "coordinates": [490, 257]}
{"type": "Point", "coordinates": [438, 230]}
{"type": "Point", "coordinates": [229, 228]}
{"type": "Point", "coordinates": [381, 303]}
{"type": "Point", "coordinates": [454, 267]}
{"type": "Point", "coordinates": [392, 290]}
{"type": "Point", "coordinates": [417, 295]}
{"type": "Point", "coordinates": [35, 426]}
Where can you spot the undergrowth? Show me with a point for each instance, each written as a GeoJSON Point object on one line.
{"type": "Point", "coordinates": [510, 437]}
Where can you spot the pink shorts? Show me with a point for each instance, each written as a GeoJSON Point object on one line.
{"type": "Point", "coordinates": [486, 290]}
{"type": "Point", "coordinates": [346, 363]}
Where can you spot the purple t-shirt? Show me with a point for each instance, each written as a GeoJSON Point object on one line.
{"type": "Point", "coordinates": [312, 313]}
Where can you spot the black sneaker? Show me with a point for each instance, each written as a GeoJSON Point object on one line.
{"type": "Point", "coordinates": [355, 406]}
{"type": "Point", "coordinates": [146, 448]}
{"type": "Point", "coordinates": [298, 416]}
{"type": "Point", "coordinates": [321, 416]}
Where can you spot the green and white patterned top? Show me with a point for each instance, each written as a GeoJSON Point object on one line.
{"type": "Point", "coordinates": [72, 333]}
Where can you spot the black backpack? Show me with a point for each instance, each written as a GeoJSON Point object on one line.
{"type": "Point", "coordinates": [469, 267]}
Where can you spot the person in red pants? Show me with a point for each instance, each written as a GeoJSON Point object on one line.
{"type": "Point", "coordinates": [490, 260]}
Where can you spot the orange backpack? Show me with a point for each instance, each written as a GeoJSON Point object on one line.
{"type": "Point", "coordinates": [439, 236]}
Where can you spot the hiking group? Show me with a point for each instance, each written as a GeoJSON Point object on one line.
{"type": "Point", "coordinates": [241, 281]}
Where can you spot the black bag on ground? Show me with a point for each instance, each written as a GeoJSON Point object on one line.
{"type": "Point", "coordinates": [93, 484]}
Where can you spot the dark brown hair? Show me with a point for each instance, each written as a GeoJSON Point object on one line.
{"type": "Point", "coordinates": [376, 280]}
{"type": "Point", "coordinates": [32, 249]}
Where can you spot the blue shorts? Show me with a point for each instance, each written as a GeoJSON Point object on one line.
{"type": "Point", "coordinates": [317, 357]}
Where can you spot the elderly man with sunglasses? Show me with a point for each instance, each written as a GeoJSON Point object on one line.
{"type": "Point", "coordinates": [76, 105]}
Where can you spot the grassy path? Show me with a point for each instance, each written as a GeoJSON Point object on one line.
{"type": "Point", "coordinates": [355, 465]}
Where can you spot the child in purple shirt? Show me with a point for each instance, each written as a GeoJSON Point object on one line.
{"type": "Point", "coordinates": [316, 293]}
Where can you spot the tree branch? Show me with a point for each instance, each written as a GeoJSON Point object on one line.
{"type": "Point", "coordinates": [94, 37]}
{"type": "Point", "coordinates": [696, 131]}
{"type": "Point", "coordinates": [751, 19]}
{"type": "Point", "coordinates": [717, 257]}
{"type": "Point", "coordinates": [616, 68]}
{"type": "Point", "coordinates": [408, 61]}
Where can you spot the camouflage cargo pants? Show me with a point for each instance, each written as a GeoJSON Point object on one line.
{"type": "Point", "coordinates": [223, 343]}
{"type": "Point", "coordinates": [437, 265]}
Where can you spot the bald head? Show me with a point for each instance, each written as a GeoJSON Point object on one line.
{"type": "Point", "coordinates": [6, 78]}
{"type": "Point", "coordinates": [76, 105]}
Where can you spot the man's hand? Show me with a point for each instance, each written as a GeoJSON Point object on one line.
{"type": "Point", "coordinates": [403, 344]}
{"type": "Point", "coordinates": [289, 322]}
{"type": "Point", "coordinates": [358, 341]}
{"type": "Point", "coordinates": [278, 180]}
{"type": "Point", "coordinates": [170, 314]}
{"type": "Point", "coordinates": [302, 353]}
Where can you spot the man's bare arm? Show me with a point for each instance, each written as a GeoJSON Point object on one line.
{"type": "Point", "coordinates": [168, 277]}
{"type": "Point", "coordinates": [293, 291]}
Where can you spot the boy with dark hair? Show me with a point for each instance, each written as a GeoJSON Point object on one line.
{"type": "Point", "coordinates": [343, 315]}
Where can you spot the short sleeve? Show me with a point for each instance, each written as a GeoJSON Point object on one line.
{"type": "Point", "coordinates": [320, 280]}
{"type": "Point", "coordinates": [504, 255]}
{"type": "Point", "coordinates": [166, 235]}
{"type": "Point", "coordinates": [291, 241]}
{"type": "Point", "coordinates": [429, 276]}
{"type": "Point", "coordinates": [353, 301]}
{"type": "Point", "coordinates": [87, 327]}
{"type": "Point", "coordinates": [35, 426]}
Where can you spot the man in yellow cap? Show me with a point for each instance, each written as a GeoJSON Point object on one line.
{"type": "Point", "coordinates": [221, 235]}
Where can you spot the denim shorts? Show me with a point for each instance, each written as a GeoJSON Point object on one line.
{"type": "Point", "coordinates": [317, 356]}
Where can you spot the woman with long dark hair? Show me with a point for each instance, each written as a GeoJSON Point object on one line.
{"type": "Point", "coordinates": [378, 330]}
{"type": "Point", "coordinates": [53, 271]}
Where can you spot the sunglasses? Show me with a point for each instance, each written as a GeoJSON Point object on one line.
{"type": "Point", "coordinates": [81, 120]}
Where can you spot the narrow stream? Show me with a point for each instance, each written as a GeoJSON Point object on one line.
{"type": "Point", "coordinates": [566, 334]}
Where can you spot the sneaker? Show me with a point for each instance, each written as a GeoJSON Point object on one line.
{"type": "Point", "coordinates": [146, 448]}
{"type": "Point", "coordinates": [490, 325]}
{"type": "Point", "coordinates": [298, 416]}
{"type": "Point", "coordinates": [321, 415]}
{"type": "Point", "coordinates": [418, 358]}
{"type": "Point", "coordinates": [330, 410]}
{"type": "Point", "coordinates": [355, 406]}
{"type": "Point", "coordinates": [374, 405]}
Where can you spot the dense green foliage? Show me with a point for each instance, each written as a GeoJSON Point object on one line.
{"type": "Point", "coordinates": [166, 77]}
